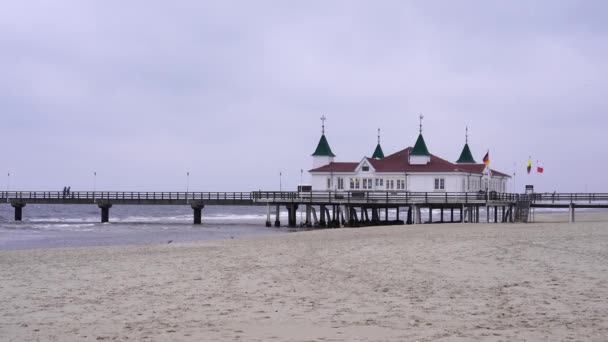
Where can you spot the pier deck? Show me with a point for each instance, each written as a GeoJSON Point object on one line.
{"type": "Point", "coordinates": [347, 207]}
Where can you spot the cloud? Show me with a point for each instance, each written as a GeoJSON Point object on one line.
{"type": "Point", "coordinates": [232, 91]}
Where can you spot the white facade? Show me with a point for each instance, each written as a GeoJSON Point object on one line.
{"type": "Point", "coordinates": [413, 182]}
{"type": "Point", "coordinates": [318, 161]}
{"type": "Point", "coordinates": [364, 177]}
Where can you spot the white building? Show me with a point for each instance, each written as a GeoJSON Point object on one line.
{"type": "Point", "coordinates": [413, 169]}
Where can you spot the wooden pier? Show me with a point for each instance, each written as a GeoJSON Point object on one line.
{"type": "Point", "coordinates": [332, 208]}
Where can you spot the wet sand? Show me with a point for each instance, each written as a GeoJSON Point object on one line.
{"type": "Point", "coordinates": [543, 281]}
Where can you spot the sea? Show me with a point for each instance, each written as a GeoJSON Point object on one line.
{"type": "Point", "coordinates": [50, 226]}
{"type": "Point", "coordinates": [53, 226]}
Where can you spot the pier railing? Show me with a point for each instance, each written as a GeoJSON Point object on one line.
{"type": "Point", "coordinates": [554, 197]}
{"type": "Point", "coordinates": [125, 195]}
{"type": "Point", "coordinates": [260, 197]}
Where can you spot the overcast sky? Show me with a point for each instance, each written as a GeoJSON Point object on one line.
{"type": "Point", "coordinates": [143, 92]}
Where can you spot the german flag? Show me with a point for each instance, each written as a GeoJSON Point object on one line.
{"type": "Point", "coordinates": [486, 159]}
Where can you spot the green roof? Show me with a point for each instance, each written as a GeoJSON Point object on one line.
{"type": "Point", "coordinates": [420, 148]}
{"type": "Point", "coordinates": [378, 154]}
{"type": "Point", "coordinates": [466, 156]}
{"type": "Point", "coordinates": [323, 148]}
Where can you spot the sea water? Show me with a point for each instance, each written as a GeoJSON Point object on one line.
{"type": "Point", "coordinates": [48, 226]}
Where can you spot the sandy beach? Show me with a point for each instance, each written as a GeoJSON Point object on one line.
{"type": "Point", "coordinates": [543, 281]}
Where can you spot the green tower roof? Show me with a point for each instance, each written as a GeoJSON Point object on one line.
{"type": "Point", "coordinates": [420, 148]}
{"type": "Point", "coordinates": [323, 148]}
{"type": "Point", "coordinates": [466, 156]}
{"type": "Point", "coordinates": [378, 154]}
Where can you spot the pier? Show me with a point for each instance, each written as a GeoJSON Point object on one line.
{"type": "Point", "coordinates": [332, 208]}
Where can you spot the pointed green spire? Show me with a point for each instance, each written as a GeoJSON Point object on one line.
{"type": "Point", "coordinates": [378, 154]}
{"type": "Point", "coordinates": [323, 148]}
{"type": "Point", "coordinates": [420, 148]}
{"type": "Point", "coordinates": [466, 156]}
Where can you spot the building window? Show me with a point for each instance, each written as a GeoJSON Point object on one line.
{"type": "Point", "coordinates": [377, 182]}
{"type": "Point", "coordinates": [439, 183]}
{"type": "Point", "coordinates": [390, 184]}
{"type": "Point", "coordinates": [368, 183]}
{"type": "Point", "coordinates": [329, 183]}
{"type": "Point", "coordinates": [356, 183]}
{"type": "Point", "coordinates": [365, 168]}
{"type": "Point", "coordinates": [352, 183]}
{"type": "Point", "coordinates": [401, 184]}
{"type": "Point", "coordinates": [340, 183]}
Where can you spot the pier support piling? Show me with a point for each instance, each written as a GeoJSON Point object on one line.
{"type": "Point", "coordinates": [308, 222]}
{"type": "Point", "coordinates": [18, 210]}
{"type": "Point", "coordinates": [292, 210]}
{"type": "Point", "coordinates": [322, 220]}
{"type": "Point", "coordinates": [197, 208]}
{"type": "Point", "coordinates": [105, 212]}
{"type": "Point", "coordinates": [277, 220]}
{"type": "Point", "coordinates": [571, 213]}
{"type": "Point", "coordinates": [462, 213]}
{"type": "Point", "coordinates": [268, 223]}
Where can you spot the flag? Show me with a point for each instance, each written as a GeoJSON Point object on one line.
{"type": "Point", "coordinates": [539, 169]}
{"type": "Point", "coordinates": [486, 159]}
{"type": "Point", "coordinates": [529, 167]}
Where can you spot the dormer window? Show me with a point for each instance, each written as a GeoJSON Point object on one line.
{"type": "Point", "coordinates": [365, 168]}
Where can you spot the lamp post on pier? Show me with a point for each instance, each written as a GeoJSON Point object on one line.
{"type": "Point", "coordinates": [187, 183]}
{"type": "Point", "coordinates": [8, 184]}
{"type": "Point", "coordinates": [94, 184]}
{"type": "Point", "coordinates": [280, 181]}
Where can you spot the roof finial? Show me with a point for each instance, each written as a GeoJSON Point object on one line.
{"type": "Point", "coordinates": [421, 117]}
{"type": "Point", "coordinates": [323, 118]}
{"type": "Point", "coordinates": [466, 140]}
{"type": "Point", "coordinates": [378, 135]}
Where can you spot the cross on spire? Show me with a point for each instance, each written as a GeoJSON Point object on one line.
{"type": "Point", "coordinates": [323, 118]}
{"type": "Point", "coordinates": [378, 135]}
{"type": "Point", "coordinates": [421, 117]}
{"type": "Point", "coordinates": [467, 135]}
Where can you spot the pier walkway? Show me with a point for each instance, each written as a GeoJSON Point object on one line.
{"type": "Point", "coordinates": [335, 208]}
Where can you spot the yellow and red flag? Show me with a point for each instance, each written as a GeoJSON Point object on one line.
{"type": "Point", "coordinates": [529, 167]}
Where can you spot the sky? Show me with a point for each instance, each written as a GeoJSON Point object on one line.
{"type": "Point", "coordinates": [143, 93]}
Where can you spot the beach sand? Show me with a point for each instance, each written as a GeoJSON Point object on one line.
{"type": "Point", "coordinates": [444, 282]}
